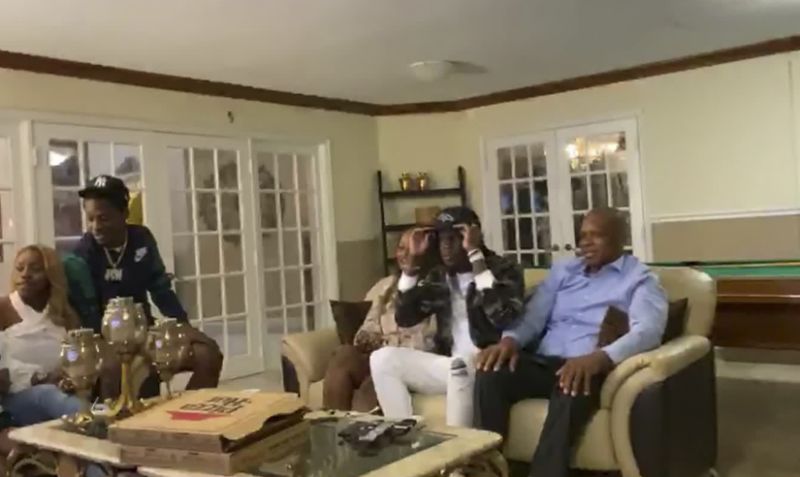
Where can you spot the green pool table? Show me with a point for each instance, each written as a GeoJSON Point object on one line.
{"type": "Point", "coordinates": [758, 302]}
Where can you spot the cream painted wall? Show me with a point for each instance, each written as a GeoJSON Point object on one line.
{"type": "Point", "coordinates": [715, 139]}
{"type": "Point", "coordinates": [434, 143]}
{"type": "Point", "coordinates": [353, 138]}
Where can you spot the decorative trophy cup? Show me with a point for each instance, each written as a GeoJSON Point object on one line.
{"type": "Point", "coordinates": [81, 360]}
{"type": "Point", "coordinates": [169, 348]}
{"type": "Point", "coordinates": [125, 329]}
{"type": "Point", "coordinates": [405, 181]}
{"type": "Point", "coordinates": [423, 181]}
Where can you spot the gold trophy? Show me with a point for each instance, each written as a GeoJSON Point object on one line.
{"type": "Point", "coordinates": [423, 181]}
{"type": "Point", "coordinates": [169, 348]}
{"type": "Point", "coordinates": [405, 181]}
{"type": "Point", "coordinates": [125, 329]}
{"type": "Point", "coordinates": [81, 361]}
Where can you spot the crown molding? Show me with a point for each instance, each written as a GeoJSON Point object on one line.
{"type": "Point", "coordinates": [110, 74]}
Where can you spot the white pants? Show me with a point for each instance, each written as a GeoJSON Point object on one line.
{"type": "Point", "coordinates": [397, 372]}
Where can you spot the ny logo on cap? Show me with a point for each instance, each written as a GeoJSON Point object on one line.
{"type": "Point", "coordinates": [445, 217]}
{"type": "Point", "coordinates": [100, 181]}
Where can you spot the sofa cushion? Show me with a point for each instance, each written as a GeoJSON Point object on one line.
{"type": "Point", "coordinates": [315, 395]}
{"type": "Point", "coordinates": [432, 407]}
{"type": "Point", "coordinates": [613, 327]}
{"type": "Point", "coordinates": [349, 315]}
{"type": "Point", "coordinates": [676, 319]}
{"type": "Point", "coordinates": [615, 323]}
{"type": "Point", "coordinates": [594, 451]}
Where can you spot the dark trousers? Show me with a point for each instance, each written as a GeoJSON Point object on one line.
{"type": "Point", "coordinates": [535, 378]}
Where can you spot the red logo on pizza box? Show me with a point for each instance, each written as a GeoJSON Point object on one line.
{"type": "Point", "coordinates": [218, 406]}
{"type": "Point", "coordinates": [192, 416]}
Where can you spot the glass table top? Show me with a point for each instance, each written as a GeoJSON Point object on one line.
{"type": "Point", "coordinates": [326, 454]}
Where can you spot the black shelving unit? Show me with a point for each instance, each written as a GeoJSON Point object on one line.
{"type": "Point", "coordinates": [384, 195]}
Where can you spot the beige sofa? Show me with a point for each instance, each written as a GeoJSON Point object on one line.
{"type": "Point", "coordinates": [657, 413]}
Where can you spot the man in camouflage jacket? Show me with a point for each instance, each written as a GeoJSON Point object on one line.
{"type": "Point", "coordinates": [474, 294]}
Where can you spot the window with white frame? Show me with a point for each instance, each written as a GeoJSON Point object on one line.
{"type": "Point", "coordinates": [73, 162]}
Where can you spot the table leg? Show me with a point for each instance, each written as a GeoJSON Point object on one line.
{"type": "Point", "coordinates": [488, 464]}
{"type": "Point", "coordinates": [26, 460]}
{"type": "Point", "coordinates": [493, 464]}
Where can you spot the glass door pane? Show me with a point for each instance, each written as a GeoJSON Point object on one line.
{"type": "Point", "coordinates": [600, 169]}
{"type": "Point", "coordinates": [520, 192]}
{"type": "Point", "coordinates": [72, 164]}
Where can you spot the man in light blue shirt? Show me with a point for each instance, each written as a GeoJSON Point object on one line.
{"type": "Point", "coordinates": [565, 315]}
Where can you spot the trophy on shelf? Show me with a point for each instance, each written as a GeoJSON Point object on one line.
{"type": "Point", "coordinates": [405, 181]}
{"type": "Point", "coordinates": [125, 329]}
{"type": "Point", "coordinates": [423, 181]}
{"type": "Point", "coordinates": [169, 348]}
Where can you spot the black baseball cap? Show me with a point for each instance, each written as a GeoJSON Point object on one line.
{"type": "Point", "coordinates": [106, 187]}
{"type": "Point", "coordinates": [453, 216]}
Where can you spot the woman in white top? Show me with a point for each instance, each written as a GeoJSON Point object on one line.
{"type": "Point", "coordinates": [34, 320]}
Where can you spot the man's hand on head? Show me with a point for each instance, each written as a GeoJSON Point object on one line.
{"type": "Point", "coordinates": [471, 235]}
{"type": "Point", "coordinates": [492, 358]}
{"type": "Point", "coordinates": [417, 247]}
{"type": "Point", "coordinates": [575, 376]}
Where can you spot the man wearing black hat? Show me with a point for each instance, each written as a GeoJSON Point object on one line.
{"type": "Point", "coordinates": [123, 260]}
{"type": "Point", "coordinates": [475, 294]}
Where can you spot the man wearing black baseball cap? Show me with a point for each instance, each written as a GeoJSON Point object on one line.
{"type": "Point", "coordinates": [123, 260]}
{"type": "Point", "coordinates": [474, 294]}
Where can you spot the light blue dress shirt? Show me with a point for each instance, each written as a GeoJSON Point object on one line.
{"type": "Point", "coordinates": [570, 304]}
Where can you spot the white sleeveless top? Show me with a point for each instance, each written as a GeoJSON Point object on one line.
{"type": "Point", "coordinates": [30, 346]}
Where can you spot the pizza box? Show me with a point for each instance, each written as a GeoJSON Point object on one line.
{"type": "Point", "coordinates": [210, 420]}
{"type": "Point", "coordinates": [271, 449]}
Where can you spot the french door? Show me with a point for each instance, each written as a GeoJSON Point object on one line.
{"type": "Point", "coordinates": [295, 286]}
{"type": "Point", "coordinates": [538, 188]}
{"type": "Point", "coordinates": [188, 191]}
{"type": "Point", "coordinates": [10, 215]}
{"type": "Point", "coordinates": [209, 234]}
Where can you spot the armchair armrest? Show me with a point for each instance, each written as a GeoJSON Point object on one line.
{"type": "Point", "coordinates": [678, 352]}
{"type": "Point", "coordinates": [663, 416]}
{"type": "Point", "coordinates": [309, 353]}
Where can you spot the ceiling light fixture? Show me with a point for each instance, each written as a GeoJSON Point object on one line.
{"type": "Point", "coordinates": [431, 70]}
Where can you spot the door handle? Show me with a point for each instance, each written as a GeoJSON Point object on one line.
{"type": "Point", "coordinates": [555, 248]}
{"type": "Point", "coordinates": [568, 247]}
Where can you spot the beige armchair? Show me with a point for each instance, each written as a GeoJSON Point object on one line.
{"type": "Point", "coordinates": [657, 415]}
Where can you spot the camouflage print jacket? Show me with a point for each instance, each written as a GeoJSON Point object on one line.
{"type": "Point", "coordinates": [489, 311]}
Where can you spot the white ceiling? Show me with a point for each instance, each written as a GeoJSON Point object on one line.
{"type": "Point", "coordinates": [360, 49]}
